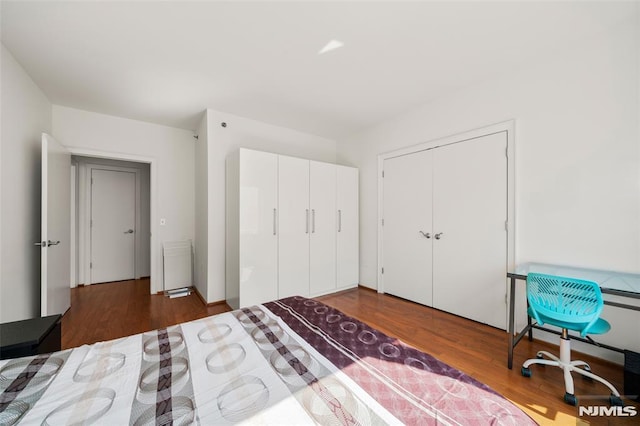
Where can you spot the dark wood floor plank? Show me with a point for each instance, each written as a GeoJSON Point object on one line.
{"type": "Point", "coordinates": [108, 311]}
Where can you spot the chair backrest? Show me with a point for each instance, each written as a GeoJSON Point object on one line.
{"type": "Point", "coordinates": [564, 299]}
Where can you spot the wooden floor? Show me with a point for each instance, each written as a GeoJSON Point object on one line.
{"type": "Point", "coordinates": [108, 311]}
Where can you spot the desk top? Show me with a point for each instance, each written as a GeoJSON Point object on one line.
{"type": "Point", "coordinates": [26, 332]}
{"type": "Point", "coordinates": [609, 281]}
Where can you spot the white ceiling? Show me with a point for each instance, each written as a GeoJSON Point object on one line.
{"type": "Point", "coordinates": [165, 62]}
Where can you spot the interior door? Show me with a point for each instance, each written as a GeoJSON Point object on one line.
{"type": "Point", "coordinates": [469, 215]}
{"type": "Point", "coordinates": [348, 233]}
{"type": "Point", "coordinates": [55, 228]}
{"type": "Point", "coordinates": [322, 250]}
{"type": "Point", "coordinates": [407, 232]}
{"type": "Point", "coordinates": [294, 226]}
{"type": "Point", "coordinates": [113, 219]}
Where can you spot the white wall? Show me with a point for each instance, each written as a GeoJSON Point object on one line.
{"type": "Point", "coordinates": [143, 231]}
{"type": "Point", "coordinates": [171, 151]}
{"type": "Point", "coordinates": [26, 113]}
{"type": "Point", "coordinates": [577, 158]}
{"type": "Point", "coordinates": [245, 133]}
{"type": "Point", "coordinates": [201, 209]}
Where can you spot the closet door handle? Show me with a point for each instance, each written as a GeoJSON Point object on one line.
{"type": "Point", "coordinates": [339, 220]}
{"type": "Point", "coordinates": [438, 235]}
{"type": "Point", "coordinates": [427, 235]}
{"type": "Point", "coordinates": [307, 227]}
{"type": "Point", "coordinates": [313, 221]}
{"type": "Point", "coordinates": [274, 221]}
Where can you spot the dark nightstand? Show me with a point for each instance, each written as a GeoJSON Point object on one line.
{"type": "Point", "coordinates": [30, 337]}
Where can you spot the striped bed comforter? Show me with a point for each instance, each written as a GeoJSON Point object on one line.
{"type": "Point", "coordinates": [292, 361]}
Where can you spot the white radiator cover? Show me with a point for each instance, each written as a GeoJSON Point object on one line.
{"type": "Point", "coordinates": [178, 264]}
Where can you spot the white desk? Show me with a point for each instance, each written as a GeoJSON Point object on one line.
{"type": "Point", "coordinates": [610, 282]}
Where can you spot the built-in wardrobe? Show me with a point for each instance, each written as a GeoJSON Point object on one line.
{"type": "Point", "coordinates": [444, 229]}
{"type": "Point", "coordinates": [292, 227]}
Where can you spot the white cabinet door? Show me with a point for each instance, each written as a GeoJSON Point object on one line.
{"type": "Point", "coordinates": [469, 214]}
{"type": "Point", "coordinates": [293, 226]}
{"type": "Point", "coordinates": [347, 244]}
{"type": "Point", "coordinates": [407, 256]}
{"type": "Point", "coordinates": [258, 257]}
{"type": "Point", "coordinates": [322, 253]}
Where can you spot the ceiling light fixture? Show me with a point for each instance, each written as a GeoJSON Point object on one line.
{"type": "Point", "coordinates": [332, 45]}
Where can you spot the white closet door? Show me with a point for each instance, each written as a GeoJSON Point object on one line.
{"type": "Point", "coordinates": [258, 227]}
{"type": "Point", "coordinates": [322, 254]}
{"type": "Point", "coordinates": [469, 214]}
{"type": "Point", "coordinates": [347, 244]}
{"type": "Point", "coordinates": [407, 223]}
{"type": "Point", "coordinates": [294, 226]}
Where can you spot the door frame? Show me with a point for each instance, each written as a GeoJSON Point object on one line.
{"type": "Point", "coordinates": [506, 126]}
{"type": "Point", "coordinates": [73, 278]}
{"type": "Point", "coordinates": [88, 197]}
{"type": "Point", "coordinates": [155, 286]}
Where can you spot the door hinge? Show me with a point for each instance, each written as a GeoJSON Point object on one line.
{"type": "Point", "coordinates": [383, 173]}
{"type": "Point", "coordinates": [91, 265]}
{"type": "Point", "coordinates": [506, 225]}
{"type": "Point", "coordinates": [505, 298]}
{"type": "Point", "coordinates": [383, 270]}
{"type": "Point", "coordinates": [382, 222]}
{"type": "Point", "coordinates": [91, 181]}
{"type": "Point", "coordinates": [506, 152]}
{"type": "Point", "coordinates": [91, 223]}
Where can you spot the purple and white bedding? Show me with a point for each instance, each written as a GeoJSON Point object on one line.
{"type": "Point", "coordinates": [292, 361]}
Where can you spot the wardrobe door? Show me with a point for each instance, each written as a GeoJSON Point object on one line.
{"type": "Point", "coordinates": [293, 226]}
{"type": "Point", "coordinates": [469, 215]}
{"type": "Point", "coordinates": [407, 228]}
{"type": "Point", "coordinates": [258, 253]}
{"type": "Point", "coordinates": [347, 244]}
{"type": "Point", "coordinates": [322, 253]}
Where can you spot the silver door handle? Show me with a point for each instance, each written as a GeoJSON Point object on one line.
{"type": "Point", "coordinates": [40, 244]}
{"type": "Point", "coordinates": [427, 235]}
{"type": "Point", "coordinates": [307, 226]}
{"type": "Point", "coordinates": [339, 220]}
{"type": "Point", "coordinates": [438, 235]}
{"type": "Point", "coordinates": [52, 243]}
{"type": "Point", "coordinates": [274, 221]}
{"type": "Point", "coordinates": [313, 221]}
{"type": "Point", "coordinates": [129, 231]}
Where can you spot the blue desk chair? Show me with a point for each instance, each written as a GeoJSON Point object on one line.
{"type": "Point", "coordinates": [570, 304]}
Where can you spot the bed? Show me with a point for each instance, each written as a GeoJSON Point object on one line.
{"type": "Point", "coordinates": [291, 361]}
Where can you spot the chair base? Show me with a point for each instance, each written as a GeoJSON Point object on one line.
{"type": "Point", "coordinates": [564, 362]}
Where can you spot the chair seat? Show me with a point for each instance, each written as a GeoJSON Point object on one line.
{"type": "Point", "coordinates": [601, 326]}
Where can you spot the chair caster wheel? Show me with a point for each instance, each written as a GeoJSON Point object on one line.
{"type": "Point", "coordinates": [615, 401]}
{"type": "Point", "coordinates": [570, 399]}
{"type": "Point", "coordinates": [526, 372]}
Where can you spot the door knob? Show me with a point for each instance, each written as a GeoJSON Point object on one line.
{"type": "Point", "coordinates": [129, 231]}
{"type": "Point", "coordinates": [46, 243]}
{"type": "Point", "coordinates": [427, 235]}
{"type": "Point", "coordinates": [438, 235]}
